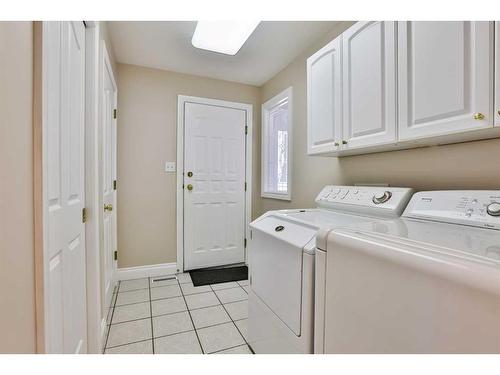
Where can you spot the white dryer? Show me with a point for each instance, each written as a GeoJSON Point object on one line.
{"type": "Point", "coordinates": [281, 261]}
{"type": "Point", "coordinates": [429, 283]}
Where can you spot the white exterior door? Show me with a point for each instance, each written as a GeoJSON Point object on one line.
{"type": "Point", "coordinates": [445, 77]}
{"type": "Point", "coordinates": [64, 173]}
{"type": "Point", "coordinates": [369, 84]}
{"type": "Point", "coordinates": [214, 185]}
{"type": "Point", "coordinates": [324, 91]}
{"type": "Point", "coordinates": [108, 121]}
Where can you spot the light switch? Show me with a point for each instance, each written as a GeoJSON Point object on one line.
{"type": "Point", "coordinates": [170, 166]}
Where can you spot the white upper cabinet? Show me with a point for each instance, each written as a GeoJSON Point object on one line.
{"type": "Point", "coordinates": [369, 84]}
{"type": "Point", "coordinates": [391, 85]}
{"type": "Point", "coordinates": [445, 75]}
{"type": "Point", "coordinates": [497, 74]}
{"type": "Point", "coordinates": [324, 86]}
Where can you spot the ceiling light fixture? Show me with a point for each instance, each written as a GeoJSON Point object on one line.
{"type": "Point", "coordinates": [222, 36]}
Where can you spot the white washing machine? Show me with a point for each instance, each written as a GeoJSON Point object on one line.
{"type": "Point", "coordinates": [430, 284]}
{"type": "Point", "coordinates": [281, 262]}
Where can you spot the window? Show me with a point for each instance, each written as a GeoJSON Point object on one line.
{"type": "Point", "coordinates": [277, 146]}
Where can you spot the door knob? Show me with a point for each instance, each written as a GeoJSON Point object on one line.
{"type": "Point", "coordinates": [344, 142]}
{"type": "Point", "coordinates": [190, 187]}
{"type": "Point", "coordinates": [108, 207]}
{"type": "Point", "coordinates": [478, 116]}
{"type": "Point", "coordinates": [190, 174]}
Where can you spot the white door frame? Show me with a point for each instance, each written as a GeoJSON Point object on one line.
{"type": "Point", "coordinates": [104, 64]}
{"type": "Point", "coordinates": [182, 100]}
{"type": "Point", "coordinates": [96, 325]}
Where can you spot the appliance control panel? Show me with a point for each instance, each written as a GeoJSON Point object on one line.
{"type": "Point", "coordinates": [383, 201]}
{"type": "Point", "coordinates": [479, 208]}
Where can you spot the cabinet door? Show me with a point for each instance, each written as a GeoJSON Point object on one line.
{"type": "Point", "coordinates": [445, 77]}
{"type": "Point", "coordinates": [497, 74]}
{"type": "Point", "coordinates": [324, 90]}
{"type": "Point", "coordinates": [369, 84]}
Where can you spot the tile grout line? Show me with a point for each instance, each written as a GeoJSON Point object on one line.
{"type": "Point", "coordinates": [230, 317]}
{"type": "Point", "coordinates": [232, 347]}
{"type": "Point", "coordinates": [151, 316]}
{"type": "Point", "coordinates": [112, 316]}
{"type": "Point", "coordinates": [190, 317]}
{"type": "Point", "coordinates": [160, 299]}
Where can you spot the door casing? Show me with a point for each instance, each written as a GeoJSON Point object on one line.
{"type": "Point", "coordinates": [182, 99]}
{"type": "Point", "coordinates": [105, 65]}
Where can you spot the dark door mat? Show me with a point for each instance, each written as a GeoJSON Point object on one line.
{"type": "Point", "coordinates": [218, 275]}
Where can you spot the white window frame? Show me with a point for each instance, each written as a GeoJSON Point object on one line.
{"type": "Point", "coordinates": [266, 109]}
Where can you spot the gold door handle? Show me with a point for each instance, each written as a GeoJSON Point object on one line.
{"type": "Point", "coordinates": [190, 174]}
{"type": "Point", "coordinates": [108, 207]}
{"type": "Point", "coordinates": [190, 187]}
{"type": "Point", "coordinates": [478, 116]}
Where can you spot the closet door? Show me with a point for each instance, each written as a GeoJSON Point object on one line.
{"type": "Point", "coordinates": [445, 77]}
{"type": "Point", "coordinates": [324, 87]}
{"type": "Point", "coordinates": [369, 84]}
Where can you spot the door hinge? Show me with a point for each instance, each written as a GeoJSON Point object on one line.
{"type": "Point", "coordinates": [114, 113]}
{"type": "Point", "coordinates": [114, 184]}
{"type": "Point", "coordinates": [246, 129]}
{"type": "Point", "coordinates": [84, 215]}
{"type": "Point", "coordinates": [115, 255]}
{"type": "Point", "coordinates": [245, 242]}
{"type": "Point", "coordinates": [245, 186]}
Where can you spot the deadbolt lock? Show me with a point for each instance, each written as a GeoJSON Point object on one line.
{"type": "Point", "coordinates": [190, 187]}
{"type": "Point", "coordinates": [190, 174]}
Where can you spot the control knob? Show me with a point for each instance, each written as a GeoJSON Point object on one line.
{"type": "Point", "coordinates": [382, 197]}
{"type": "Point", "coordinates": [493, 209]}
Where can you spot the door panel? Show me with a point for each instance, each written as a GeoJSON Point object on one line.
{"type": "Point", "coordinates": [369, 84]}
{"type": "Point", "coordinates": [445, 75]}
{"type": "Point", "coordinates": [64, 108]}
{"type": "Point", "coordinates": [324, 90]}
{"type": "Point", "coordinates": [108, 106]}
{"type": "Point", "coordinates": [214, 209]}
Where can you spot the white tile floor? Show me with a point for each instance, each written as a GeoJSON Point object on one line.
{"type": "Point", "coordinates": [173, 316]}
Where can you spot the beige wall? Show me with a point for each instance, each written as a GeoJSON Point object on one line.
{"type": "Point", "coordinates": [17, 284]}
{"type": "Point", "coordinates": [147, 122]}
{"type": "Point", "coordinates": [309, 174]}
{"type": "Point", "coordinates": [471, 165]}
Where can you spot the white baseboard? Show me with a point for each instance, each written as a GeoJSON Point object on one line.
{"type": "Point", "coordinates": [146, 271]}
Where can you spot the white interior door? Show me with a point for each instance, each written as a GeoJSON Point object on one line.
{"type": "Point", "coordinates": [64, 173]}
{"type": "Point", "coordinates": [214, 185]}
{"type": "Point", "coordinates": [108, 106]}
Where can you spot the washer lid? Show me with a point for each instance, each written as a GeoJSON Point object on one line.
{"type": "Point", "coordinates": [475, 244]}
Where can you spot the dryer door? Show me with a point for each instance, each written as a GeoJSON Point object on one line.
{"type": "Point", "coordinates": [275, 263]}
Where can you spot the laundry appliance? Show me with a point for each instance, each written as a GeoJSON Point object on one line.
{"type": "Point", "coordinates": [430, 284]}
{"type": "Point", "coordinates": [281, 261]}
